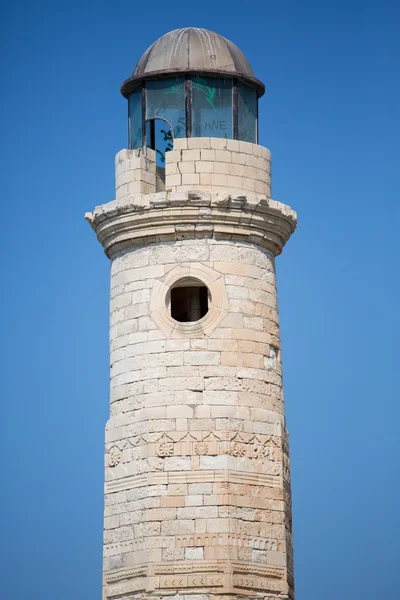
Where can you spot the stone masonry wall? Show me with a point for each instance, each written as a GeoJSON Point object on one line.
{"type": "Point", "coordinates": [197, 492]}
{"type": "Point", "coordinates": [218, 165]}
{"type": "Point", "coordinates": [135, 172]}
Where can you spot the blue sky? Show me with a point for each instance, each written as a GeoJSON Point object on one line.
{"type": "Point", "coordinates": [331, 119]}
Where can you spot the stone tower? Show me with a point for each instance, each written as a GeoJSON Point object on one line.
{"type": "Point", "coordinates": [197, 485]}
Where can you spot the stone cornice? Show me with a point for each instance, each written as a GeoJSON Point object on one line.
{"type": "Point", "coordinates": [172, 216]}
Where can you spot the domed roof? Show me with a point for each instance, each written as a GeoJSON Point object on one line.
{"type": "Point", "coordinates": [192, 50]}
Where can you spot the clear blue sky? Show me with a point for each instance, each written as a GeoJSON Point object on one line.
{"type": "Point", "coordinates": [331, 119]}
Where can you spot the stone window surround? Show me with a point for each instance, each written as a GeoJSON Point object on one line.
{"type": "Point", "coordinates": [218, 307]}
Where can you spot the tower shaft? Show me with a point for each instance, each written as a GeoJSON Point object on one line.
{"type": "Point", "coordinates": [197, 486]}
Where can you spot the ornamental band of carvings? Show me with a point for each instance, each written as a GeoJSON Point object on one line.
{"type": "Point", "coordinates": [258, 583]}
{"type": "Point", "coordinates": [209, 437]}
{"type": "Point", "coordinates": [235, 477]}
{"type": "Point", "coordinates": [126, 588]}
{"type": "Point", "coordinates": [256, 450]}
{"type": "Point", "coordinates": [277, 438]}
{"type": "Point", "coordinates": [225, 539]}
{"type": "Point", "coordinates": [121, 574]}
{"type": "Point", "coordinates": [187, 581]}
{"type": "Point", "coordinates": [199, 580]}
{"type": "Point", "coordinates": [192, 567]}
{"type": "Point", "coordinates": [188, 567]}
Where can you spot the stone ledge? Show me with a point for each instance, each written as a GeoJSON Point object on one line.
{"type": "Point", "coordinates": [200, 576]}
{"type": "Point", "coordinates": [174, 216]}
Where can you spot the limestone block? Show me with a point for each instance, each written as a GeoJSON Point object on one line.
{"type": "Point", "coordinates": [180, 143]}
{"type": "Point", "coordinates": [218, 143]}
{"type": "Point", "coordinates": [191, 155]}
{"type": "Point", "coordinates": [186, 166]}
{"type": "Point", "coordinates": [223, 168]}
{"type": "Point", "coordinates": [191, 178]}
{"type": "Point", "coordinates": [219, 180]}
{"type": "Point", "coordinates": [233, 145]}
{"type": "Point", "coordinates": [173, 180]}
{"type": "Point", "coordinates": [171, 168]}
{"type": "Point", "coordinates": [194, 554]}
{"type": "Point", "coordinates": [203, 166]}
{"type": "Point", "coordinates": [180, 527]}
{"type": "Point", "coordinates": [202, 358]}
{"type": "Point", "coordinates": [177, 464]}
{"type": "Point", "coordinates": [192, 500]}
{"type": "Point", "coordinates": [202, 142]}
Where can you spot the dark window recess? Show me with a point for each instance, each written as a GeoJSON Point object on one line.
{"type": "Point", "coordinates": [189, 303]}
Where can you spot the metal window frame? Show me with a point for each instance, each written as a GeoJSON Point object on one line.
{"type": "Point", "coordinates": [139, 89]}
{"type": "Point", "coordinates": [258, 97]}
{"type": "Point", "coordinates": [144, 115]}
{"type": "Point", "coordinates": [235, 110]}
{"type": "Point", "coordinates": [256, 119]}
{"type": "Point", "coordinates": [188, 105]}
{"type": "Point", "coordinates": [129, 122]}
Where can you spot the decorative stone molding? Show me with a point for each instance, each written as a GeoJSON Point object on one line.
{"type": "Point", "coordinates": [114, 457]}
{"type": "Point", "coordinates": [200, 574]}
{"type": "Point", "coordinates": [160, 478]}
{"type": "Point", "coordinates": [174, 216]}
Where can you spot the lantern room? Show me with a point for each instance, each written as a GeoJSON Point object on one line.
{"type": "Point", "coordinates": [191, 83]}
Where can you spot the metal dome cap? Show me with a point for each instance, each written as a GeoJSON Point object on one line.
{"type": "Point", "coordinates": [192, 50]}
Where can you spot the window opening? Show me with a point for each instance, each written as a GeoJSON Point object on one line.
{"type": "Point", "coordinates": [189, 301]}
{"type": "Point", "coordinates": [159, 138]}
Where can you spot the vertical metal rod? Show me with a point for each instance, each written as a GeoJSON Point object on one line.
{"type": "Point", "coordinates": [257, 119]}
{"type": "Point", "coordinates": [144, 134]}
{"type": "Point", "coordinates": [129, 125]}
{"type": "Point", "coordinates": [153, 134]}
{"type": "Point", "coordinates": [188, 106]}
{"type": "Point", "coordinates": [235, 109]}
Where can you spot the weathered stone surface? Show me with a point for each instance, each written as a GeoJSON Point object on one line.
{"type": "Point", "coordinates": [197, 492]}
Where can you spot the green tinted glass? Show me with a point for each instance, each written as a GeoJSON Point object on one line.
{"type": "Point", "coordinates": [211, 107]}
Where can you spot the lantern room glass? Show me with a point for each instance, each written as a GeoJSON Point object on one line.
{"type": "Point", "coordinates": [247, 113]}
{"type": "Point", "coordinates": [192, 106]}
{"type": "Point", "coordinates": [212, 107]}
{"type": "Point", "coordinates": [135, 124]}
{"type": "Point", "coordinates": [165, 99]}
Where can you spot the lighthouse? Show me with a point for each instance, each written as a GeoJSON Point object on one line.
{"type": "Point", "coordinates": [197, 472]}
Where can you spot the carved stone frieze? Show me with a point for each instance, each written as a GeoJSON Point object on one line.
{"type": "Point", "coordinates": [261, 583]}
{"type": "Point", "coordinates": [119, 575]}
{"type": "Point", "coordinates": [128, 587]}
{"type": "Point", "coordinates": [198, 580]}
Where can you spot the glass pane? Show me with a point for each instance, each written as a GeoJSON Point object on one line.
{"type": "Point", "coordinates": [247, 113]}
{"type": "Point", "coordinates": [135, 119]}
{"type": "Point", "coordinates": [159, 138]}
{"type": "Point", "coordinates": [162, 141]}
{"type": "Point", "coordinates": [212, 107]}
{"type": "Point", "coordinates": [166, 100]}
